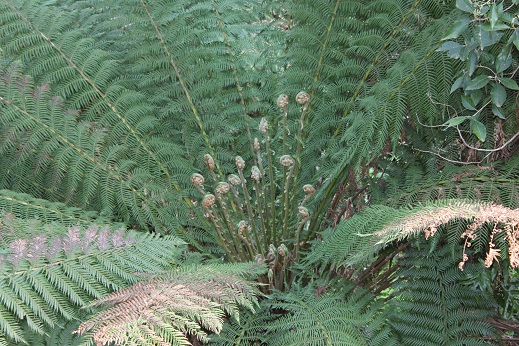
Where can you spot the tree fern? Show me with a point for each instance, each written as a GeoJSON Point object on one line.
{"type": "Point", "coordinates": [115, 120]}
{"type": "Point", "coordinates": [110, 107]}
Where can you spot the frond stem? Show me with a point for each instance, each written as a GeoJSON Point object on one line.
{"type": "Point", "coordinates": [325, 45]}
{"type": "Point", "coordinates": [298, 233]}
{"type": "Point", "coordinates": [264, 211]}
{"type": "Point", "coordinates": [235, 75]}
{"type": "Point", "coordinates": [444, 306]}
{"type": "Point", "coordinates": [262, 220]}
{"type": "Point", "coordinates": [273, 229]}
{"type": "Point", "coordinates": [230, 227]}
{"type": "Point", "coordinates": [285, 118]}
{"type": "Point", "coordinates": [299, 140]}
{"type": "Point", "coordinates": [286, 202]}
{"type": "Point", "coordinates": [249, 212]}
{"type": "Point", "coordinates": [219, 230]}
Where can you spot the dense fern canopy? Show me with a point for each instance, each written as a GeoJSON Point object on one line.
{"type": "Point", "coordinates": [316, 141]}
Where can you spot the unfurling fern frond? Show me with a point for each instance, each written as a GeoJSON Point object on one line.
{"type": "Point", "coordinates": [172, 308]}
{"type": "Point", "coordinates": [265, 219]}
{"type": "Point", "coordinates": [45, 279]}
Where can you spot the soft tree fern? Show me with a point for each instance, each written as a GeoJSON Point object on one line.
{"type": "Point", "coordinates": [136, 115]}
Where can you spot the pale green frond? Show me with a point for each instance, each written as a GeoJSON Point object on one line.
{"type": "Point", "coordinates": [46, 279]}
{"type": "Point", "coordinates": [175, 307]}
{"type": "Point", "coordinates": [27, 207]}
{"type": "Point", "coordinates": [358, 239]}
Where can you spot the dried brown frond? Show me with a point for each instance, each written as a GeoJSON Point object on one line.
{"type": "Point", "coordinates": [512, 235]}
{"type": "Point", "coordinates": [492, 256]}
{"type": "Point", "coordinates": [168, 311]}
{"type": "Point", "coordinates": [493, 253]}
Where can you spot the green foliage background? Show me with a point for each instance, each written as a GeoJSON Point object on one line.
{"type": "Point", "coordinates": [107, 108]}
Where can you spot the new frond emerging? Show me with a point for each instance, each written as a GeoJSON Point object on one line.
{"type": "Point", "coordinates": [264, 220]}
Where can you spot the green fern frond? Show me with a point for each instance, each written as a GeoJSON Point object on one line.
{"type": "Point", "coordinates": [27, 207]}
{"type": "Point", "coordinates": [363, 91]}
{"type": "Point", "coordinates": [248, 331]}
{"type": "Point", "coordinates": [378, 331]}
{"type": "Point", "coordinates": [84, 73]}
{"type": "Point", "coordinates": [496, 183]}
{"type": "Point", "coordinates": [61, 334]}
{"type": "Point", "coordinates": [84, 163]}
{"type": "Point", "coordinates": [173, 308]}
{"type": "Point", "coordinates": [310, 316]}
{"type": "Point", "coordinates": [161, 42]}
{"type": "Point", "coordinates": [357, 239]}
{"type": "Point", "coordinates": [310, 319]}
{"type": "Point", "coordinates": [431, 307]}
{"type": "Point", "coordinates": [45, 279]}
